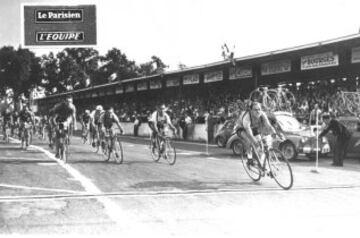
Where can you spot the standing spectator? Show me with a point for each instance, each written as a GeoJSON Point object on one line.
{"type": "Point", "coordinates": [316, 112]}
{"type": "Point", "coordinates": [137, 123]}
{"type": "Point", "coordinates": [188, 124]}
{"type": "Point", "coordinates": [210, 122]}
{"type": "Point", "coordinates": [182, 124]}
{"type": "Point", "coordinates": [342, 138]}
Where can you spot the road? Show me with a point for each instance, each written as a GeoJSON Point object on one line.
{"type": "Point", "coordinates": [202, 195]}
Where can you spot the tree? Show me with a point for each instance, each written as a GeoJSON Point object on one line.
{"type": "Point", "coordinates": [155, 66]}
{"type": "Point", "coordinates": [19, 70]}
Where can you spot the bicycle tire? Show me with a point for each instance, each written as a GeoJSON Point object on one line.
{"type": "Point", "coordinates": [170, 152]}
{"type": "Point", "coordinates": [154, 151]}
{"type": "Point", "coordinates": [277, 162]}
{"type": "Point", "coordinates": [118, 151]}
{"type": "Point", "coordinates": [252, 170]}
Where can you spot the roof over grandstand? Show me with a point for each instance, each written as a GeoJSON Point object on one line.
{"type": "Point", "coordinates": [353, 40]}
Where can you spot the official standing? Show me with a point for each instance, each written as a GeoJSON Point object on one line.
{"type": "Point", "coordinates": [342, 138]}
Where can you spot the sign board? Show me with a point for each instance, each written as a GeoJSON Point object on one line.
{"type": "Point", "coordinates": [173, 82]}
{"type": "Point", "coordinates": [355, 55]}
{"type": "Point", "coordinates": [155, 84]}
{"type": "Point", "coordinates": [323, 60]}
{"type": "Point", "coordinates": [191, 79]}
{"type": "Point", "coordinates": [54, 25]}
{"type": "Point", "coordinates": [240, 72]}
{"type": "Point", "coordinates": [276, 67]}
{"type": "Point", "coordinates": [213, 76]}
{"type": "Point", "coordinates": [142, 86]}
{"type": "Point", "coordinates": [129, 88]}
{"type": "Point", "coordinates": [119, 90]}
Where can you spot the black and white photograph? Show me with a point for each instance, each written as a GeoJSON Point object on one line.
{"type": "Point", "coordinates": [179, 118]}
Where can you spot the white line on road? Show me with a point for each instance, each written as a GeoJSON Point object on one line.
{"type": "Point", "coordinates": [39, 188]}
{"type": "Point", "coordinates": [112, 209]}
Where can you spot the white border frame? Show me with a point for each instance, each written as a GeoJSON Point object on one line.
{"type": "Point", "coordinates": [56, 47]}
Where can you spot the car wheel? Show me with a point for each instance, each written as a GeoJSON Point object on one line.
{"type": "Point", "coordinates": [237, 147]}
{"type": "Point", "coordinates": [220, 141]}
{"type": "Point", "coordinates": [289, 150]}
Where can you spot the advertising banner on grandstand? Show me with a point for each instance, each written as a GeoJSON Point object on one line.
{"type": "Point", "coordinates": [172, 82]}
{"type": "Point", "coordinates": [355, 55]}
{"type": "Point", "coordinates": [119, 90]}
{"type": "Point", "coordinates": [240, 72]}
{"type": "Point", "coordinates": [276, 67]}
{"type": "Point", "coordinates": [213, 76]}
{"type": "Point", "coordinates": [323, 60]}
{"type": "Point", "coordinates": [52, 25]}
{"type": "Point", "coordinates": [191, 79]}
{"type": "Point", "coordinates": [129, 88]}
{"type": "Point", "coordinates": [142, 86]}
{"type": "Point", "coordinates": [155, 84]}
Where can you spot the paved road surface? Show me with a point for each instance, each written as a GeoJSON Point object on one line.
{"type": "Point", "coordinates": [200, 196]}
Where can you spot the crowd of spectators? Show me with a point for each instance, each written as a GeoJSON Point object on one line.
{"type": "Point", "coordinates": [225, 105]}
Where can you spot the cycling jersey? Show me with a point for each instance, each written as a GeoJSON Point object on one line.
{"type": "Point", "coordinates": [26, 116]}
{"type": "Point", "coordinates": [256, 124]}
{"type": "Point", "coordinates": [160, 121]}
{"type": "Point", "coordinates": [63, 111]}
{"type": "Point", "coordinates": [108, 119]}
{"type": "Point", "coordinates": [95, 115]}
{"type": "Point", "coordinates": [85, 118]}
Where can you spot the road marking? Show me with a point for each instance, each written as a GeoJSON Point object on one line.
{"type": "Point", "coordinates": [176, 193]}
{"type": "Point", "coordinates": [39, 188]}
{"type": "Point", "coordinates": [111, 208]}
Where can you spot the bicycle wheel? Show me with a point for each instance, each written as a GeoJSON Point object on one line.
{"type": "Point", "coordinates": [118, 151]}
{"type": "Point", "coordinates": [170, 152]}
{"type": "Point", "coordinates": [251, 167]}
{"type": "Point", "coordinates": [280, 169]}
{"type": "Point", "coordinates": [154, 150]}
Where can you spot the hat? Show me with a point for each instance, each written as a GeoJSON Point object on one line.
{"type": "Point", "coordinates": [99, 108]}
{"type": "Point", "coordinates": [326, 115]}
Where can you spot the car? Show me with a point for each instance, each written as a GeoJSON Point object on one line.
{"type": "Point", "coordinates": [224, 133]}
{"type": "Point", "coordinates": [298, 138]}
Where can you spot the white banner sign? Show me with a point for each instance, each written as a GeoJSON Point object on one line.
{"type": "Point", "coordinates": [129, 88]}
{"type": "Point", "coordinates": [240, 72]}
{"type": "Point", "coordinates": [191, 79]}
{"type": "Point", "coordinates": [142, 86]}
{"type": "Point", "coordinates": [323, 60]}
{"type": "Point", "coordinates": [355, 55]}
{"type": "Point", "coordinates": [276, 67]}
{"type": "Point", "coordinates": [213, 76]}
{"type": "Point", "coordinates": [173, 82]}
{"type": "Point", "coordinates": [155, 84]}
{"type": "Point", "coordinates": [119, 90]}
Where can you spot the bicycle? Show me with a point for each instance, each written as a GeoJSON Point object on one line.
{"type": "Point", "coordinates": [112, 146]}
{"type": "Point", "coordinates": [85, 135]}
{"type": "Point", "coordinates": [270, 162]}
{"type": "Point", "coordinates": [7, 132]}
{"type": "Point", "coordinates": [63, 140]}
{"type": "Point", "coordinates": [26, 135]}
{"type": "Point", "coordinates": [161, 146]}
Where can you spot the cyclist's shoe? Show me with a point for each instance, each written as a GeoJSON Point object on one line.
{"type": "Point", "coordinates": [103, 144]}
{"type": "Point", "coordinates": [51, 146]}
{"type": "Point", "coordinates": [57, 156]}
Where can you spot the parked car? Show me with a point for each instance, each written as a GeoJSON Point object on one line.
{"type": "Point", "coordinates": [224, 133]}
{"type": "Point", "coordinates": [298, 138]}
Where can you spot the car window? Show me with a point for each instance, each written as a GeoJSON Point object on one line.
{"type": "Point", "coordinates": [288, 123]}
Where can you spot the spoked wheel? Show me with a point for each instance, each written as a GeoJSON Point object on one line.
{"type": "Point", "coordinates": [117, 151]}
{"type": "Point", "coordinates": [154, 150]}
{"type": "Point", "coordinates": [170, 152]}
{"type": "Point", "coordinates": [280, 169]}
{"type": "Point", "coordinates": [251, 167]}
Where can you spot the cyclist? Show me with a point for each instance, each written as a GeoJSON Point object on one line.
{"type": "Point", "coordinates": [107, 120]}
{"type": "Point", "coordinates": [7, 120]}
{"type": "Point", "coordinates": [157, 122]}
{"type": "Point", "coordinates": [85, 121]}
{"type": "Point", "coordinates": [26, 118]}
{"type": "Point", "coordinates": [250, 125]}
{"type": "Point", "coordinates": [95, 123]}
{"type": "Point", "coordinates": [63, 113]}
